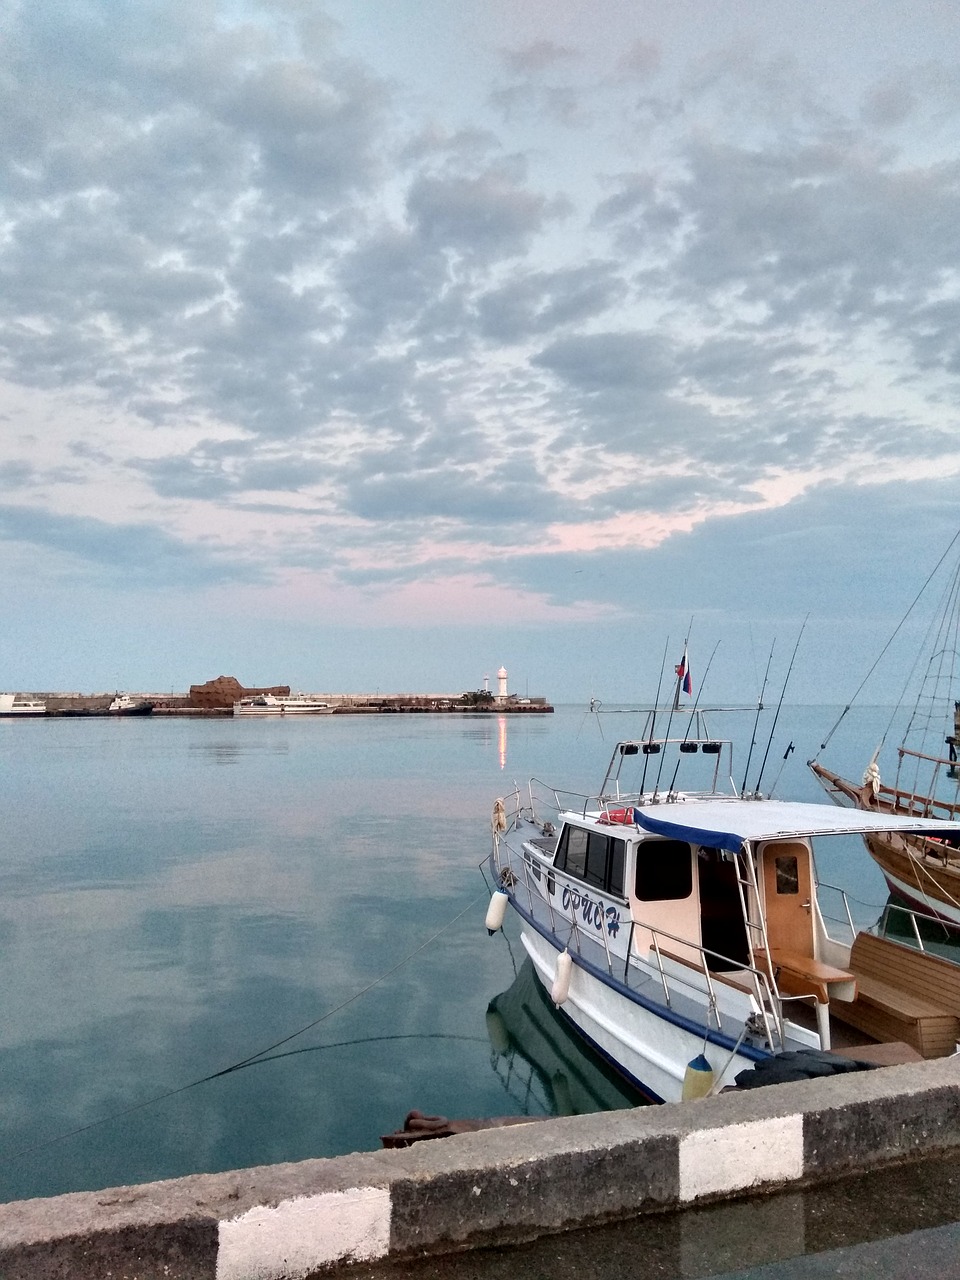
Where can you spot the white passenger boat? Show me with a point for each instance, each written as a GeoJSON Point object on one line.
{"type": "Point", "coordinates": [681, 932]}
{"type": "Point", "coordinates": [16, 704]}
{"type": "Point", "coordinates": [268, 704]}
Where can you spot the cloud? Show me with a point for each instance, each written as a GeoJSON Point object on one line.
{"type": "Point", "coordinates": [329, 321]}
{"type": "Point", "coordinates": [112, 552]}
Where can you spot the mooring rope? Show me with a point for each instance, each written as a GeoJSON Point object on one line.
{"type": "Point", "coordinates": [250, 1060]}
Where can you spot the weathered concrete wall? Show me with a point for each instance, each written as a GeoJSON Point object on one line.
{"type": "Point", "coordinates": [288, 1220]}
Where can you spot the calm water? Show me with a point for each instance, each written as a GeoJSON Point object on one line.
{"type": "Point", "coordinates": [178, 895]}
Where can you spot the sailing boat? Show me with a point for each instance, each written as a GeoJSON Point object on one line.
{"type": "Point", "coordinates": [920, 870]}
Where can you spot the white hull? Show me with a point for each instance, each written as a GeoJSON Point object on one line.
{"type": "Point", "coordinates": [915, 898]}
{"type": "Point", "coordinates": [270, 706]}
{"type": "Point", "coordinates": [649, 1049]}
{"type": "Point", "coordinates": [11, 709]}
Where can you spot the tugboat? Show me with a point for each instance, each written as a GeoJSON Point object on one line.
{"type": "Point", "coordinates": [124, 705]}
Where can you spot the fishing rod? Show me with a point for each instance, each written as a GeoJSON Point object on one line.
{"type": "Point", "coordinates": [756, 722]}
{"type": "Point", "coordinates": [783, 691]}
{"type": "Point", "coordinates": [694, 709]}
{"type": "Point", "coordinates": [682, 670]}
{"type": "Point", "coordinates": [653, 714]}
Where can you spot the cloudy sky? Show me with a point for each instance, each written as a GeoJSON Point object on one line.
{"type": "Point", "coordinates": [375, 343]}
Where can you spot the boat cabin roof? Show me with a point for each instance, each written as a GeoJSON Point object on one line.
{"type": "Point", "coordinates": [729, 823]}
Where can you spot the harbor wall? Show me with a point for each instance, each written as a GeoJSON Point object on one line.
{"type": "Point", "coordinates": [497, 1185]}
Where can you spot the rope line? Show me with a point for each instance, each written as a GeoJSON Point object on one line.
{"type": "Point", "coordinates": [252, 1059]}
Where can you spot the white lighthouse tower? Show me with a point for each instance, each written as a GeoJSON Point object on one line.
{"type": "Point", "coordinates": [502, 685]}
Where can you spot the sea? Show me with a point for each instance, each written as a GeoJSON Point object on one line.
{"type": "Point", "coordinates": [228, 943]}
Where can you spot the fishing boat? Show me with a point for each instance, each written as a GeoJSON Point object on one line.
{"type": "Point", "coordinates": [680, 930]}
{"type": "Point", "coordinates": [922, 871]}
{"type": "Point", "coordinates": [17, 705]}
{"type": "Point", "coordinates": [268, 704]}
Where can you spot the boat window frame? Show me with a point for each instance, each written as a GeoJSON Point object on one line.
{"type": "Point", "coordinates": [611, 881]}
{"type": "Point", "coordinates": [654, 866]}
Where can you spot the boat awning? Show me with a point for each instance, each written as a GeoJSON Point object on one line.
{"type": "Point", "coordinates": [728, 824]}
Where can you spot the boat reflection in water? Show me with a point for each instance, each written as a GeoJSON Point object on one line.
{"type": "Point", "coordinates": [544, 1066]}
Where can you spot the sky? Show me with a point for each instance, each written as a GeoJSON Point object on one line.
{"type": "Point", "coordinates": [373, 344]}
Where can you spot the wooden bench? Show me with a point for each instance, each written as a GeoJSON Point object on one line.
{"type": "Point", "coordinates": [904, 994]}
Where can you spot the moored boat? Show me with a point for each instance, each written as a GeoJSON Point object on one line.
{"type": "Point", "coordinates": [125, 705]}
{"type": "Point", "coordinates": [17, 705]}
{"type": "Point", "coordinates": [922, 871]}
{"type": "Point", "coordinates": [680, 931]}
{"type": "Point", "coordinates": [268, 704]}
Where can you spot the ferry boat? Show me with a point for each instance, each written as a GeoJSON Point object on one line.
{"type": "Point", "coordinates": [681, 931]}
{"type": "Point", "coordinates": [268, 704]}
{"type": "Point", "coordinates": [16, 704]}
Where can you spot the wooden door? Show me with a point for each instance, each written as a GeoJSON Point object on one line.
{"type": "Point", "coordinates": [788, 896]}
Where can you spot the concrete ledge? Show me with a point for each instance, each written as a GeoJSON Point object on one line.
{"type": "Point", "coordinates": [286, 1221]}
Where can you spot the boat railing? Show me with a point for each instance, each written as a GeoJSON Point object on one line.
{"type": "Point", "coordinates": [846, 920]}
{"type": "Point", "coordinates": [894, 913]}
{"type": "Point", "coordinates": [923, 804]}
{"type": "Point", "coordinates": [762, 988]}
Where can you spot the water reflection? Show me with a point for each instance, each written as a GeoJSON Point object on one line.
{"type": "Point", "coordinates": [502, 740]}
{"type": "Point", "coordinates": [543, 1065]}
{"type": "Point", "coordinates": [231, 752]}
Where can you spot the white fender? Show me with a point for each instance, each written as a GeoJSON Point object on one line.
{"type": "Point", "coordinates": [496, 911]}
{"type": "Point", "coordinates": [561, 982]}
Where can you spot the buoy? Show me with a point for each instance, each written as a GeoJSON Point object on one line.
{"type": "Point", "coordinates": [496, 911]}
{"type": "Point", "coordinates": [561, 982]}
{"type": "Point", "coordinates": [697, 1079]}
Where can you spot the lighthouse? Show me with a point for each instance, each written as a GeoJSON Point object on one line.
{"type": "Point", "coordinates": [502, 685]}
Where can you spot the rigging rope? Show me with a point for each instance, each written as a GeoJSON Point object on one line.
{"type": "Point", "coordinates": [890, 641]}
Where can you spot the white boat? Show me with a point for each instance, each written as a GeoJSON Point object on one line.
{"type": "Point", "coordinates": [681, 932]}
{"type": "Point", "coordinates": [268, 704]}
{"type": "Point", "coordinates": [15, 704]}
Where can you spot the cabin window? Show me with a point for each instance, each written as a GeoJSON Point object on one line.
{"type": "Point", "coordinates": [788, 874]}
{"type": "Point", "coordinates": [664, 870]}
{"type": "Point", "coordinates": [594, 857]}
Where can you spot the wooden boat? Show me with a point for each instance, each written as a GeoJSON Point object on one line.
{"type": "Point", "coordinates": [680, 932]}
{"type": "Point", "coordinates": [922, 871]}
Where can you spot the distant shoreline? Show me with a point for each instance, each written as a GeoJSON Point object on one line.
{"type": "Point", "coordinates": [84, 706]}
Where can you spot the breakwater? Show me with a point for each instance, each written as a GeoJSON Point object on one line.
{"type": "Point", "coordinates": [177, 704]}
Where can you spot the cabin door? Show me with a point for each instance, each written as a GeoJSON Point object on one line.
{"type": "Point", "coordinates": [788, 896]}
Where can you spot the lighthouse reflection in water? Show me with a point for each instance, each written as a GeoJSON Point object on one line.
{"type": "Point", "coordinates": [544, 1066]}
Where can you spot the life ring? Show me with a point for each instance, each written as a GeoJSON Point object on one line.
{"type": "Point", "coordinates": [617, 816]}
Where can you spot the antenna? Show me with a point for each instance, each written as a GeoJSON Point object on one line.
{"type": "Point", "coordinates": [780, 704]}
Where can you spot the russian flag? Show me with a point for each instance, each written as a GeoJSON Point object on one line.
{"type": "Point", "coordinates": [683, 674]}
